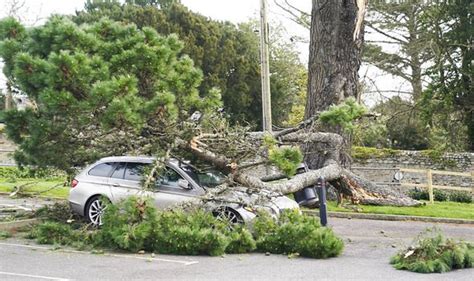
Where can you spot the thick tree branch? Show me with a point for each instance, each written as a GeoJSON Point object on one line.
{"type": "Point", "coordinates": [329, 172]}
{"type": "Point", "coordinates": [220, 162]}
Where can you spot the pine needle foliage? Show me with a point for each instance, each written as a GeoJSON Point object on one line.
{"type": "Point", "coordinates": [51, 232]}
{"type": "Point", "coordinates": [343, 114]}
{"type": "Point", "coordinates": [286, 158]}
{"type": "Point", "coordinates": [135, 225]}
{"type": "Point", "coordinates": [296, 233]}
{"type": "Point", "coordinates": [104, 88]}
{"type": "Point", "coordinates": [434, 253]}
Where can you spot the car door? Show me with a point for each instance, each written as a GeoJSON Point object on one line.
{"type": "Point", "coordinates": [168, 191]}
{"type": "Point", "coordinates": [125, 181]}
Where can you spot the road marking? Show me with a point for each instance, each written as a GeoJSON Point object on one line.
{"type": "Point", "coordinates": [154, 259]}
{"type": "Point", "coordinates": [33, 276]}
{"type": "Point", "coordinates": [17, 207]}
{"type": "Point", "coordinates": [105, 254]}
{"type": "Point", "coordinates": [24, 246]}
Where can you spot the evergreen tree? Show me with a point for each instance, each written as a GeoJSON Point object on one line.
{"type": "Point", "coordinates": [96, 89]}
{"type": "Point", "coordinates": [448, 102]}
{"type": "Point", "coordinates": [228, 55]}
{"type": "Point", "coordinates": [399, 27]}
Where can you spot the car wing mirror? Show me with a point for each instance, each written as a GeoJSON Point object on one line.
{"type": "Point", "coordinates": [184, 184]}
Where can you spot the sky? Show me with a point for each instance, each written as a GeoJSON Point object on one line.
{"type": "Point", "coordinates": [231, 10]}
{"type": "Point", "coordinates": [35, 12]}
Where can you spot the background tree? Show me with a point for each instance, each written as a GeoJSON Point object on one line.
{"type": "Point", "coordinates": [294, 13]}
{"type": "Point", "coordinates": [405, 129]}
{"type": "Point", "coordinates": [430, 47]}
{"type": "Point", "coordinates": [288, 74]}
{"type": "Point", "coordinates": [227, 54]}
{"type": "Point", "coordinates": [424, 35]}
{"type": "Point", "coordinates": [448, 103]}
{"type": "Point", "coordinates": [401, 45]}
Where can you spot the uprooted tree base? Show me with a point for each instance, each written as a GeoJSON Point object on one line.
{"type": "Point", "coordinates": [211, 148]}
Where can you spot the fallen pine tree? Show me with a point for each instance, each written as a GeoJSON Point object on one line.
{"type": "Point", "coordinates": [156, 108]}
{"type": "Point", "coordinates": [236, 153]}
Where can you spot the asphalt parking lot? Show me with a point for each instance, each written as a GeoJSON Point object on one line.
{"type": "Point", "coordinates": [369, 245]}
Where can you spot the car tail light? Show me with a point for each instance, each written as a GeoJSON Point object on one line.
{"type": "Point", "coordinates": [74, 182]}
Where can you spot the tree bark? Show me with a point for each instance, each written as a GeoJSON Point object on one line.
{"type": "Point", "coordinates": [334, 61]}
{"type": "Point", "coordinates": [9, 96]}
{"type": "Point", "coordinates": [334, 57]}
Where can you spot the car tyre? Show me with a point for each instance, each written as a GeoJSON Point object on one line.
{"type": "Point", "coordinates": [95, 209]}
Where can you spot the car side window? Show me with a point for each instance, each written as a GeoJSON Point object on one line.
{"type": "Point", "coordinates": [102, 170]}
{"type": "Point", "coordinates": [169, 178]}
{"type": "Point", "coordinates": [119, 171]}
{"type": "Point", "coordinates": [134, 171]}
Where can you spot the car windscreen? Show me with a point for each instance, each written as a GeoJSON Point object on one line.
{"type": "Point", "coordinates": [207, 178]}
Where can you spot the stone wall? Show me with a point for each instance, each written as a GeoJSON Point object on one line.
{"type": "Point", "coordinates": [6, 150]}
{"type": "Point", "coordinates": [383, 169]}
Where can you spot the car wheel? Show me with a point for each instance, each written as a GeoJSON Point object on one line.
{"type": "Point", "coordinates": [228, 215]}
{"type": "Point", "coordinates": [95, 210]}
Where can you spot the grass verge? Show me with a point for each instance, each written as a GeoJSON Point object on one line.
{"type": "Point", "coordinates": [36, 187]}
{"type": "Point", "coordinates": [451, 210]}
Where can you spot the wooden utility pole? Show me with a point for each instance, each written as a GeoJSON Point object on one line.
{"type": "Point", "coordinates": [265, 69]}
{"type": "Point", "coordinates": [8, 96]}
{"type": "Point", "coordinates": [429, 184]}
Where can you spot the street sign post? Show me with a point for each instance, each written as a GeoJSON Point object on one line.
{"type": "Point", "coordinates": [321, 187]}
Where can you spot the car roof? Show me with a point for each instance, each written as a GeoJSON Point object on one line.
{"type": "Point", "coordinates": [144, 159]}
{"type": "Point", "coordinates": [139, 159]}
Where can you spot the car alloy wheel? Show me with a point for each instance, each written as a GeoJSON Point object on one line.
{"type": "Point", "coordinates": [96, 210]}
{"type": "Point", "coordinates": [228, 215]}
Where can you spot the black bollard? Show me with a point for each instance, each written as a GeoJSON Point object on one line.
{"type": "Point", "coordinates": [321, 187]}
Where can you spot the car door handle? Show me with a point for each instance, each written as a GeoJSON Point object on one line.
{"type": "Point", "coordinates": [115, 185]}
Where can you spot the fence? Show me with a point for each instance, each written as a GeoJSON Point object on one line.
{"type": "Point", "coordinates": [429, 179]}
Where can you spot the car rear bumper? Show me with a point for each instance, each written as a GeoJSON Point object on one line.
{"type": "Point", "coordinates": [77, 208]}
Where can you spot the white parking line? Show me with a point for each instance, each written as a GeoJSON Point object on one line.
{"type": "Point", "coordinates": [105, 254]}
{"type": "Point", "coordinates": [17, 207]}
{"type": "Point", "coordinates": [153, 259]}
{"type": "Point", "coordinates": [32, 276]}
{"type": "Point", "coordinates": [24, 246]}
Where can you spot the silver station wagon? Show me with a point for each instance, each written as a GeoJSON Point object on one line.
{"type": "Point", "coordinates": [116, 178]}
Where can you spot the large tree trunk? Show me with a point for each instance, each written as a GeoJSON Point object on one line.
{"type": "Point", "coordinates": [334, 57]}
{"type": "Point", "coordinates": [334, 60]}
